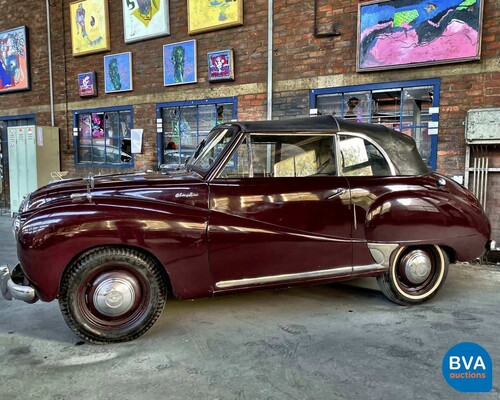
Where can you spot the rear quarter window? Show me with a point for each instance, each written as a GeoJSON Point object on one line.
{"type": "Point", "coordinates": [359, 157]}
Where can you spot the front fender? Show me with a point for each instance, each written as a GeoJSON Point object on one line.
{"type": "Point", "coordinates": [49, 240]}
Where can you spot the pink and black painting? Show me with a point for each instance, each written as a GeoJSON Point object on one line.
{"type": "Point", "coordinates": [412, 33]}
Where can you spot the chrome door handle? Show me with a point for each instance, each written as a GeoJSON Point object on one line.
{"type": "Point", "coordinates": [337, 192]}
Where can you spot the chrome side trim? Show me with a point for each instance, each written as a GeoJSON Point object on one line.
{"type": "Point", "coordinates": [284, 277]}
{"type": "Point", "coordinates": [381, 252]}
{"type": "Point", "coordinates": [324, 273]}
{"type": "Point", "coordinates": [361, 269]}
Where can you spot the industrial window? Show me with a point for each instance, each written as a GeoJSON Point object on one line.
{"type": "Point", "coordinates": [102, 137]}
{"type": "Point", "coordinates": [182, 125]}
{"type": "Point", "coordinates": [410, 107]}
{"type": "Point", "coordinates": [5, 122]}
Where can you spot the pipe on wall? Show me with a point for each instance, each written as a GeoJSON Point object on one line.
{"type": "Point", "coordinates": [270, 25]}
{"type": "Point", "coordinates": [49, 49]}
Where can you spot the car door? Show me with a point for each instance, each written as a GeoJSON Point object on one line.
{"type": "Point", "coordinates": [279, 213]}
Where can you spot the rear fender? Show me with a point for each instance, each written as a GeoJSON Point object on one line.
{"type": "Point", "coordinates": [428, 216]}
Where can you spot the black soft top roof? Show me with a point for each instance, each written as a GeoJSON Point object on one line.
{"type": "Point", "coordinates": [400, 148]}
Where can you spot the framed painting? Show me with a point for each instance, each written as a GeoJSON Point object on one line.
{"type": "Point", "coordinates": [179, 63]}
{"type": "Point", "coordinates": [89, 26]}
{"type": "Point", "coordinates": [204, 16]}
{"type": "Point", "coordinates": [118, 72]}
{"type": "Point", "coordinates": [409, 33]}
{"type": "Point", "coordinates": [221, 65]}
{"type": "Point", "coordinates": [14, 60]}
{"type": "Point", "coordinates": [145, 19]}
{"type": "Point", "coordinates": [87, 84]}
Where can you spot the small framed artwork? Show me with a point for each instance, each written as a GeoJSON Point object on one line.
{"type": "Point", "coordinates": [204, 16]}
{"type": "Point", "coordinates": [412, 33]}
{"type": "Point", "coordinates": [179, 63]}
{"type": "Point", "coordinates": [145, 19]}
{"type": "Point", "coordinates": [89, 26]}
{"type": "Point", "coordinates": [87, 84]}
{"type": "Point", "coordinates": [118, 72]}
{"type": "Point", "coordinates": [14, 60]}
{"type": "Point", "coordinates": [221, 65]}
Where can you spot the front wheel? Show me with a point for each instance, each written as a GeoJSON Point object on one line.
{"type": "Point", "coordinates": [112, 295]}
{"type": "Point", "coordinates": [415, 275]}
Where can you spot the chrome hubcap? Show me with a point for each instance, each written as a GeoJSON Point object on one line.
{"type": "Point", "coordinates": [417, 266]}
{"type": "Point", "coordinates": [114, 296]}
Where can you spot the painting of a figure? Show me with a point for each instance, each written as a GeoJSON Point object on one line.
{"type": "Point", "coordinates": [179, 63]}
{"type": "Point", "coordinates": [145, 19]}
{"type": "Point", "coordinates": [209, 15]}
{"type": "Point", "coordinates": [14, 61]}
{"type": "Point", "coordinates": [411, 33]}
{"type": "Point", "coordinates": [221, 65]}
{"type": "Point", "coordinates": [118, 72]}
{"type": "Point", "coordinates": [87, 84]}
{"type": "Point", "coordinates": [89, 26]}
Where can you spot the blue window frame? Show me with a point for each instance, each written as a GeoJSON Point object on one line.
{"type": "Point", "coordinates": [406, 106]}
{"type": "Point", "coordinates": [182, 125]}
{"type": "Point", "coordinates": [102, 137]}
{"type": "Point", "coordinates": [5, 122]}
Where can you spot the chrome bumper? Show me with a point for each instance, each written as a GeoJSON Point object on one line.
{"type": "Point", "coordinates": [15, 290]}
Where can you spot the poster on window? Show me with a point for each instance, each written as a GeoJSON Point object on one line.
{"type": "Point", "coordinates": [145, 19]}
{"type": "Point", "coordinates": [408, 33]}
{"type": "Point", "coordinates": [136, 138]}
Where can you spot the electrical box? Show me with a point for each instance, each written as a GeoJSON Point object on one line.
{"type": "Point", "coordinates": [33, 156]}
{"type": "Point", "coordinates": [482, 126]}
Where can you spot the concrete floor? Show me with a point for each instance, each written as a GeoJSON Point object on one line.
{"type": "Point", "coordinates": [321, 342]}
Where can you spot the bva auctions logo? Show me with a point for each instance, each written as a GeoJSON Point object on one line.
{"type": "Point", "coordinates": [467, 367]}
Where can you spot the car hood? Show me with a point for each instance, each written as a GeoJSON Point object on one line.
{"type": "Point", "coordinates": [178, 188]}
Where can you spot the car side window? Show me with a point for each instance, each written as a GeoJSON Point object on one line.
{"type": "Point", "coordinates": [359, 157]}
{"type": "Point", "coordinates": [283, 155]}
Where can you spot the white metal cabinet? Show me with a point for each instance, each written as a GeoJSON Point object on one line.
{"type": "Point", "coordinates": [33, 155]}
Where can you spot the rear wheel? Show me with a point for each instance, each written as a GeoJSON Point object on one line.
{"type": "Point", "coordinates": [415, 275]}
{"type": "Point", "coordinates": [112, 295]}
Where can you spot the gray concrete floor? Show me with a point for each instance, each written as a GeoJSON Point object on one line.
{"type": "Point", "coordinates": [321, 342]}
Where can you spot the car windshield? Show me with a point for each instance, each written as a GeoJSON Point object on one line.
{"type": "Point", "coordinates": [211, 148]}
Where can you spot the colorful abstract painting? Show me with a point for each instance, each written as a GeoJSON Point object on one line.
{"type": "Point", "coordinates": [179, 63]}
{"type": "Point", "coordinates": [89, 26]}
{"type": "Point", "coordinates": [118, 72]}
{"type": "Point", "coordinates": [87, 85]}
{"type": "Point", "coordinates": [221, 65]}
{"type": "Point", "coordinates": [210, 15]}
{"type": "Point", "coordinates": [411, 33]}
{"type": "Point", "coordinates": [14, 60]}
{"type": "Point", "coordinates": [145, 19]}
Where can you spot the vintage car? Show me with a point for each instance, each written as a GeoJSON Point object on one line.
{"type": "Point", "coordinates": [259, 205]}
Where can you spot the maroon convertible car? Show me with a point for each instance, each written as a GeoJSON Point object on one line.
{"type": "Point", "coordinates": [258, 205]}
